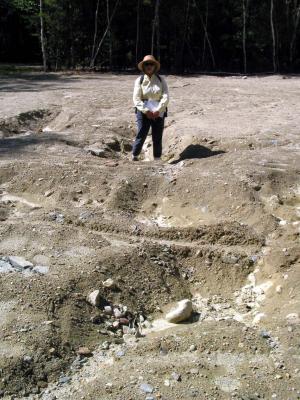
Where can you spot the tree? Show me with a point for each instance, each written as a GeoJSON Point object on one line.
{"type": "Point", "coordinates": [245, 11]}
{"type": "Point", "coordinates": [273, 35]}
{"type": "Point", "coordinates": [109, 34]}
{"type": "Point", "coordinates": [155, 31]}
{"type": "Point", "coordinates": [43, 36]}
{"type": "Point", "coordinates": [296, 19]}
{"type": "Point", "coordinates": [93, 58]}
{"type": "Point", "coordinates": [206, 36]}
{"type": "Point", "coordinates": [95, 30]}
{"type": "Point", "coordinates": [137, 40]}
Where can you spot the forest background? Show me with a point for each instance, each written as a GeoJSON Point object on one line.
{"type": "Point", "coordinates": [242, 36]}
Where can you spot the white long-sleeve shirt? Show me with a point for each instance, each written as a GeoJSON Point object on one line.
{"type": "Point", "coordinates": [151, 89]}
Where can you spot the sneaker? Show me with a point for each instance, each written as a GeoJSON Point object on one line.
{"type": "Point", "coordinates": [157, 159]}
{"type": "Point", "coordinates": [135, 158]}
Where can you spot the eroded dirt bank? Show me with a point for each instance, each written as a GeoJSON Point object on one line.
{"type": "Point", "coordinates": [217, 222]}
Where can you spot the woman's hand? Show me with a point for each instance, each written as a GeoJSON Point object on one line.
{"type": "Point", "coordinates": [149, 114]}
{"type": "Point", "coordinates": [155, 114]}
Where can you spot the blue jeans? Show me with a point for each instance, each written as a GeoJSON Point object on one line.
{"type": "Point", "coordinates": [143, 126]}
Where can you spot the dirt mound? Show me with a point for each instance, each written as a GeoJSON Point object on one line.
{"type": "Point", "coordinates": [31, 121]}
{"type": "Point", "coordinates": [216, 223]}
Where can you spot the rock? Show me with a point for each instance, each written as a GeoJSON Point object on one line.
{"type": "Point", "coordinates": [193, 347]}
{"type": "Point", "coordinates": [278, 289]}
{"type": "Point", "coordinates": [124, 321]}
{"type": "Point", "coordinates": [108, 310]}
{"type": "Point", "coordinates": [85, 216]}
{"type": "Point", "coordinates": [258, 318]}
{"type": "Point", "coordinates": [47, 129]}
{"type": "Point", "coordinates": [120, 353]}
{"type": "Point", "coordinates": [84, 351]}
{"type": "Point", "coordinates": [52, 350]}
{"type": "Point", "coordinates": [96, 151]}
{"type": "Point", "coordinates": [56, 216]}
{"type": "Point", "coordinates": [265, 334]}
{"type": "Point", "coordinates": [176, 377]}
{"type": "Point", "coordinates": [117, 313]}
{"type": "Point", "coordinates": [147, 324]}
{"type": "Point", "coordinates": [105, 345]}
{"type": "Point", "coordinates": [94, 298]}
{"type": "Point", "coordinates": [126, 329]}
{"type": "Point", "coordinates": [194, 371]}
{"type": "Point", "coordinates": [167, 382]}
{"type": "Point", "coordinates": [129, 339]}
{"type": "Point", "coordinates": [40, 269]}
{"type": "Point", "coordinates": [182, 312]}
{"type": "Point", "coordinates": [293, 318]}
{"type": "Point", "coordinates": [146, 388]}
{"type": "Point", "coordinates": [27, 359]}
{"type": "Point", "coordinates": [19, 262]}
{"type": "Point", "coordinates": [109, 283]}
{"type": "Point", "coordinates": [48, 193]}
{"type": "Point", "coordinates": [230, 259]}
{"type": "Point", "coordinates": [116, 324]}
{"type": "Point", "coordinates": [64, 379]}
{"type": "Point", "coordinates": [5, 266]}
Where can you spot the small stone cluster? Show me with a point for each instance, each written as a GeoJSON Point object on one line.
{"type": "Point", "coordinates": [20, 264]}
{"type": "Point", "coordinates": [117, 319]}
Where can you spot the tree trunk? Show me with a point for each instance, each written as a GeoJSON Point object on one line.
{"type": "Point", "coordinates": [187, 15]}
{"type": "Point", "coordinates": [294, 37]}
{"type": "Point", "coordinates": [245, 6]}
{"type": "Point", "coordinates": [273, 35]}
{"type": "Point", "coordinates": [109, 36]}
{"type": "Point", "coordinates": [93, 59]}
{"type": "Point", "coordinates": [137, 32]}
{"type": "Point", "coordinates": [95, 30]}
{"type": "Point", "coordinates": [70, 19]}
{"type": "Point", "coordinates": [207, 37]}
{"type": "Point", "coordinates": [43, 36]}
{"type": "Point", "coordinates": [204, 36]}
{"type": "Point", "coordinates": [155, 30]}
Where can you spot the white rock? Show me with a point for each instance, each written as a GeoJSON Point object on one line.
{"type": "Point", "coordinates": [293, 318]}
{"type": "Point", "coordinates": [117, 313]}
{"type": "Point", "coordinates": [193, 347]}
{"type": "Point", "coordinates": [181, 312]}
{"type": "Point", "coordinates": [94, 298]}
{"type": "Point", "coordinates": [258, 317]}
{"type": "Point", "coordinates": [40, 269]}
{"type": "Point", "coordinates": [279, 289]}
{"type": "Point", "coordinates": [48, 193]}
{"type": "Point", "coordinates": [47, 129]}
{"type": "Point", "coordinates": [129, 339]}
{"type": "Point", "coordinates": [19, 262]}
{"type": "Point", "coordinates": [108, 310]}
{"type": "Point", "coordinates": [109, 283]}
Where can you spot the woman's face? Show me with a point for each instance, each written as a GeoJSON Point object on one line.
{"type": "Point", "coordinates": [149, 68]}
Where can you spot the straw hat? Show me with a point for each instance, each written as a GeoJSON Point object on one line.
{"type": "Point", "coordinates": [149, 58]}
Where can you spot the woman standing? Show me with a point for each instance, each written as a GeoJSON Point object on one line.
{"type": "Point", "coordinates": [150, 98]}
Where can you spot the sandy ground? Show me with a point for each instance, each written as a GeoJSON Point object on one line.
{"type": "Point", "coordinates": [216, 222]}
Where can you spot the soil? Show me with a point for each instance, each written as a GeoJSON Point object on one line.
{"type": "Point", "coordinates": [217, 221]}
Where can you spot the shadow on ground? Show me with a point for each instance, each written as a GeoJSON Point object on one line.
{"type": "Point", "coordinates": [35, 82]}
{"type": "Point", "coordinates": [17, 144]}
{"type": "Point", "coordinates": [196, 151]}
